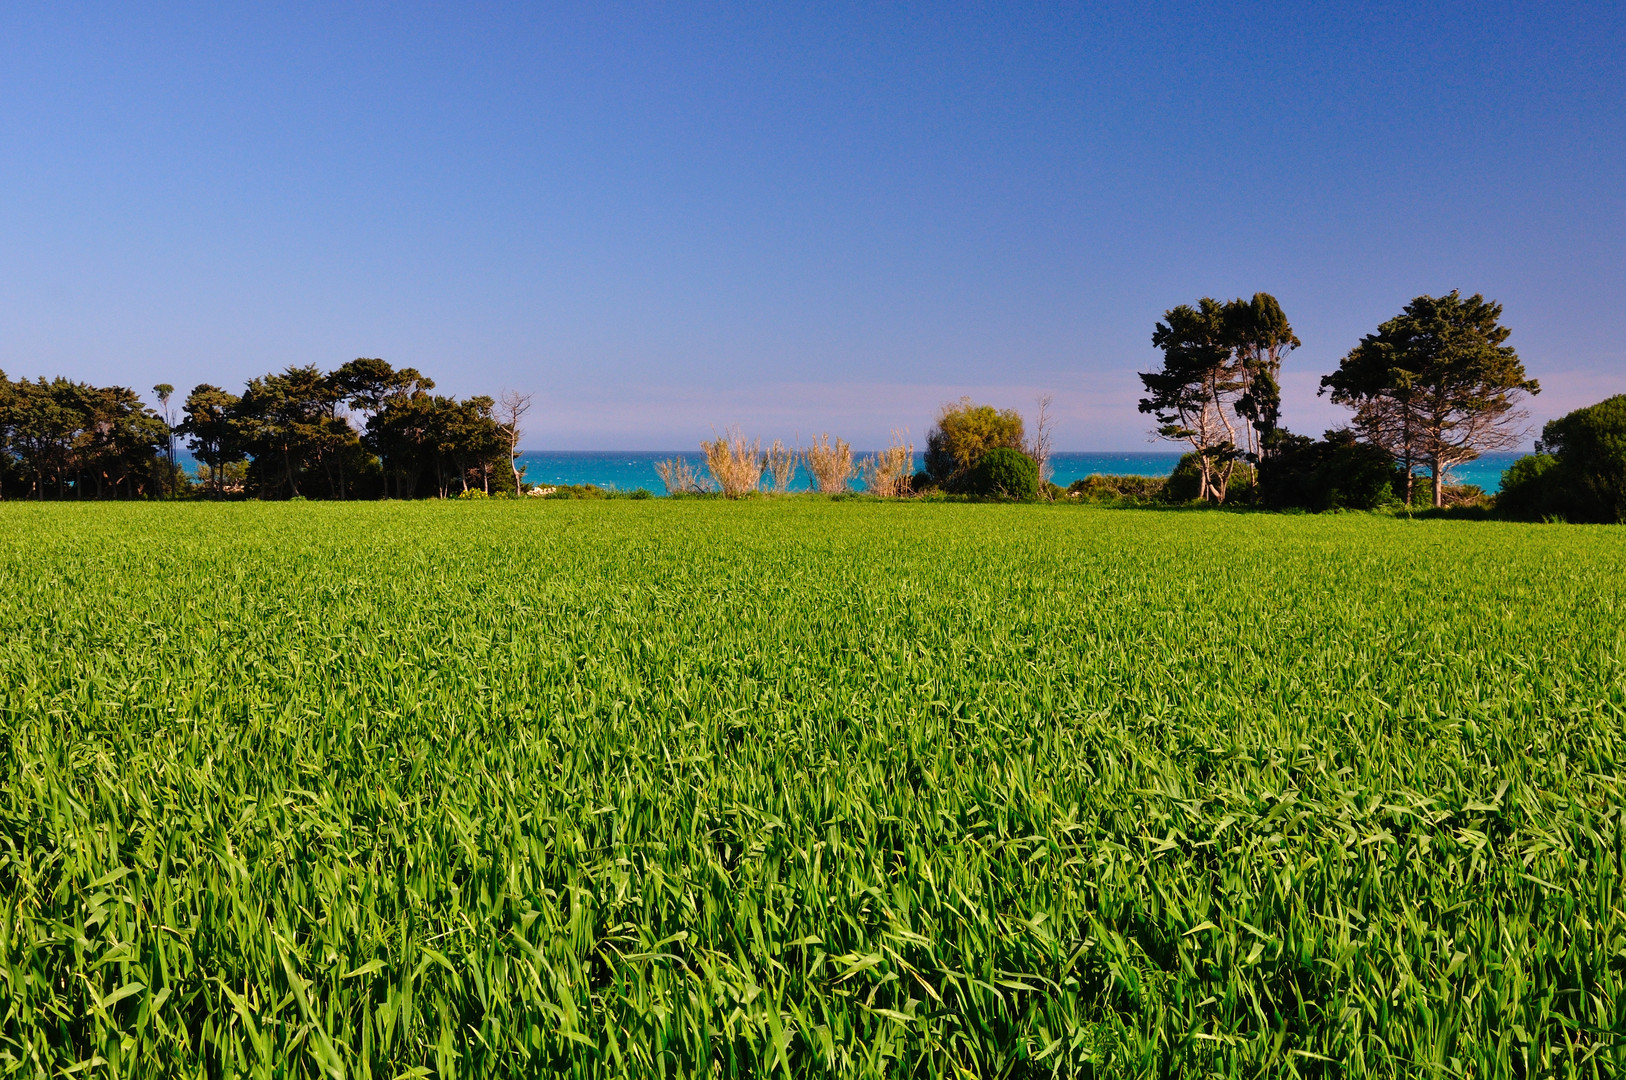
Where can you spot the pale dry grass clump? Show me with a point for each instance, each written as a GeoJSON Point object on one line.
{"type": "Point", "coordinates": [781, 462]}
{"type": "Point", "coordinates": [736, 465]}
{"type": "Point", "coordinates": [680, 477]}
{"type": "Point", "coordinates": [889, 472]}
{"type": "Point", "coordinates": [831, 465]}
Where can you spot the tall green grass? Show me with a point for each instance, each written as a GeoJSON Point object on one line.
{"type": "Point", "coordinates": [675, 788]}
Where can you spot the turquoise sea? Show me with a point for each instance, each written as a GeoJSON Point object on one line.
{"type": "Point", "coordinates": [630, 469]}
{"type": "Point", "coordinates": [627, 470]}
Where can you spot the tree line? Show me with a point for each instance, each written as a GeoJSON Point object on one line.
{"type": "Point", "coordinates": [364, 430]}
{"type": "Point", "coordinates": [1433, 388]}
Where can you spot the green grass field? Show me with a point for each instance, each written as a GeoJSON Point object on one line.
{"type": "Point", "coordinates": [667, 788]}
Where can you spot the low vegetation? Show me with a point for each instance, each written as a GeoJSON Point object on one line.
{"type": "Point", "coordinates": [1578, 472]}
{"type": "Point", "coordinates": [710, 788]}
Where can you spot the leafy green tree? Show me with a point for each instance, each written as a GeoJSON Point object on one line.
{"type": "Point", "coordinates": [367, 383]}
{"type": "Point", "coordinates": [1260, 336]}
{"type": "Point", "coordinates": [1189, 395]}
{"type": "Point", "coordinates": [283, 420]}
{"type": "Point", "coordinates": [1531, 489]}
{"type": "Point", "coordinates": [1578, 471]}
{"type": "Point", "coordinates": [964, 432]}
{"type": "Point", "coordinates": [121, 441]}
{"type": "Point", "coordinates": [209, 422]}
{"type": "Point", "coordinates": [1436, 385]}
{"type": "Point", "coordinates": [1590, 445]}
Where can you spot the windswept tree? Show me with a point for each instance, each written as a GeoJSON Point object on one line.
{"type": "Point", "coordinates": [1195, 391]}
{"type": "Point", "coordinates": [70, 439]}
{"type": "Point", "coordinates": [290, 426]}
{"type": "Point", "coordinates": [1260, 336]}
{"type": "Point", "coordinates": [1220, 360]}
{"type": "Point", "coordinates": [1436, 385]}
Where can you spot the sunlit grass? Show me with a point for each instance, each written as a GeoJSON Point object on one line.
{"type": "Point", "coordinates": [846, 788]}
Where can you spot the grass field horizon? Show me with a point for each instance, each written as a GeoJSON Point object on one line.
{"type": "Point", "coordinates": [681, 787]}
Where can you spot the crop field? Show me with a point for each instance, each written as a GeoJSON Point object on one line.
{"type": "Point", "coordinates": [814, 788]}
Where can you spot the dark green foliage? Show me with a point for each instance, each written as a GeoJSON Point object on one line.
{"type": "Point", "coordinates": [1578, 472]}
{"type": "Point", "coordinates": [1219, 359]}
{"type": "Point", "coordinates": [291, 429]}
{"type": "Point", "coordinates": [1589, 446]}
{"type": "Point", "coordinates": [1530, 489]}
{"type": "Point", "coordinates": [1436, 385]}
{"type": "Point", "coordinates": [1004, 473]}
{"type": "Point", "coordinates": [1185, 483]}
{"type": "Point", "coordinates": [1260, 336]}
{"type": "Point", "coordinates": [1339, 472]}
{"type": "Point", "coordinates": [1098, 487]}
{"type": "Point", "coordinates": [70, 440]}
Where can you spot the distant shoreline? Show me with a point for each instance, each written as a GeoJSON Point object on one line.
{"type": "Point", "coordinates": [627, 470]}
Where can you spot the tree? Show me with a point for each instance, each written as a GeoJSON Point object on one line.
{"type": "Point", "coordinates": [1189, 395]}
{"type": "Point", "coordinates": [163, 391]}
{"type": "Point", "coordinates": [964, 432]}
{"type": "Point", "coordinates": [208, 420]}
{"type": "Point", "coordinates": [511, 410]}
{"type": "Point", "coordinates": [1220, 360]}
{"type": "Point", "coordinates": [1590, 448]}
{"type": "Point", "coordinates": [1578, 471]}
{"type": "Point", "coordinates": [1338, 472]}
{"type": "Point", "coordinates": [1260, 336]}
{"type": "Point", "coordinates": [1436, 384]}
{"type": "Point", "coordinates": [1040, 448]}
{"type": "Point", "coordinates": [283, 420]}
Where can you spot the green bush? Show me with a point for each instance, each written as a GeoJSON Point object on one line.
{"type": "Point", "coordinates": [1004, 473]}
{"type": "Point", "coordinates": [1578, 472]}
{"type": "Point", "coordinates": [964, 433]}
{"type": "Point", "coordinates": [1590, 445]}
{"type": "Point", "coordinates": [1528, 488]}
{"type": "Point", "coordinates": [1100, 487]}
{"type": "Point", "coordinates": [1185, 483]}
{"type": "Point", "coordinates": [1337, 473]}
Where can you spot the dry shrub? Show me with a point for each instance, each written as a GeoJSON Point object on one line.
{"type": "Point", "coordinates": [679, 477]}
{"type": "Point", "coordinates": [781, 461]}
{"type": "Point", "coordinates": [889, 472]}
{"type": "Point", "coordinates": [831, 466]}
{"type": "Point", "coordinates": [735, 464]}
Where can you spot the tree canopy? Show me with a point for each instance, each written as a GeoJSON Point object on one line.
{"type": "Point", "coordinates": [65, 439]}
{"type": "Point", "coordinates": [1219, 360]}
{"type": "Point", "coordinates": [289, 433]}
{"type": "Point", "coordinates": [1436, 385]}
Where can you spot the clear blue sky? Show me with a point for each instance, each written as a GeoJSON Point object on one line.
{"type": "Point", "coordinates": [668, 218]}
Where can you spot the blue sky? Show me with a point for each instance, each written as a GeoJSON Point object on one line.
{"type": "Point", "coordinates": [665, 219]}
